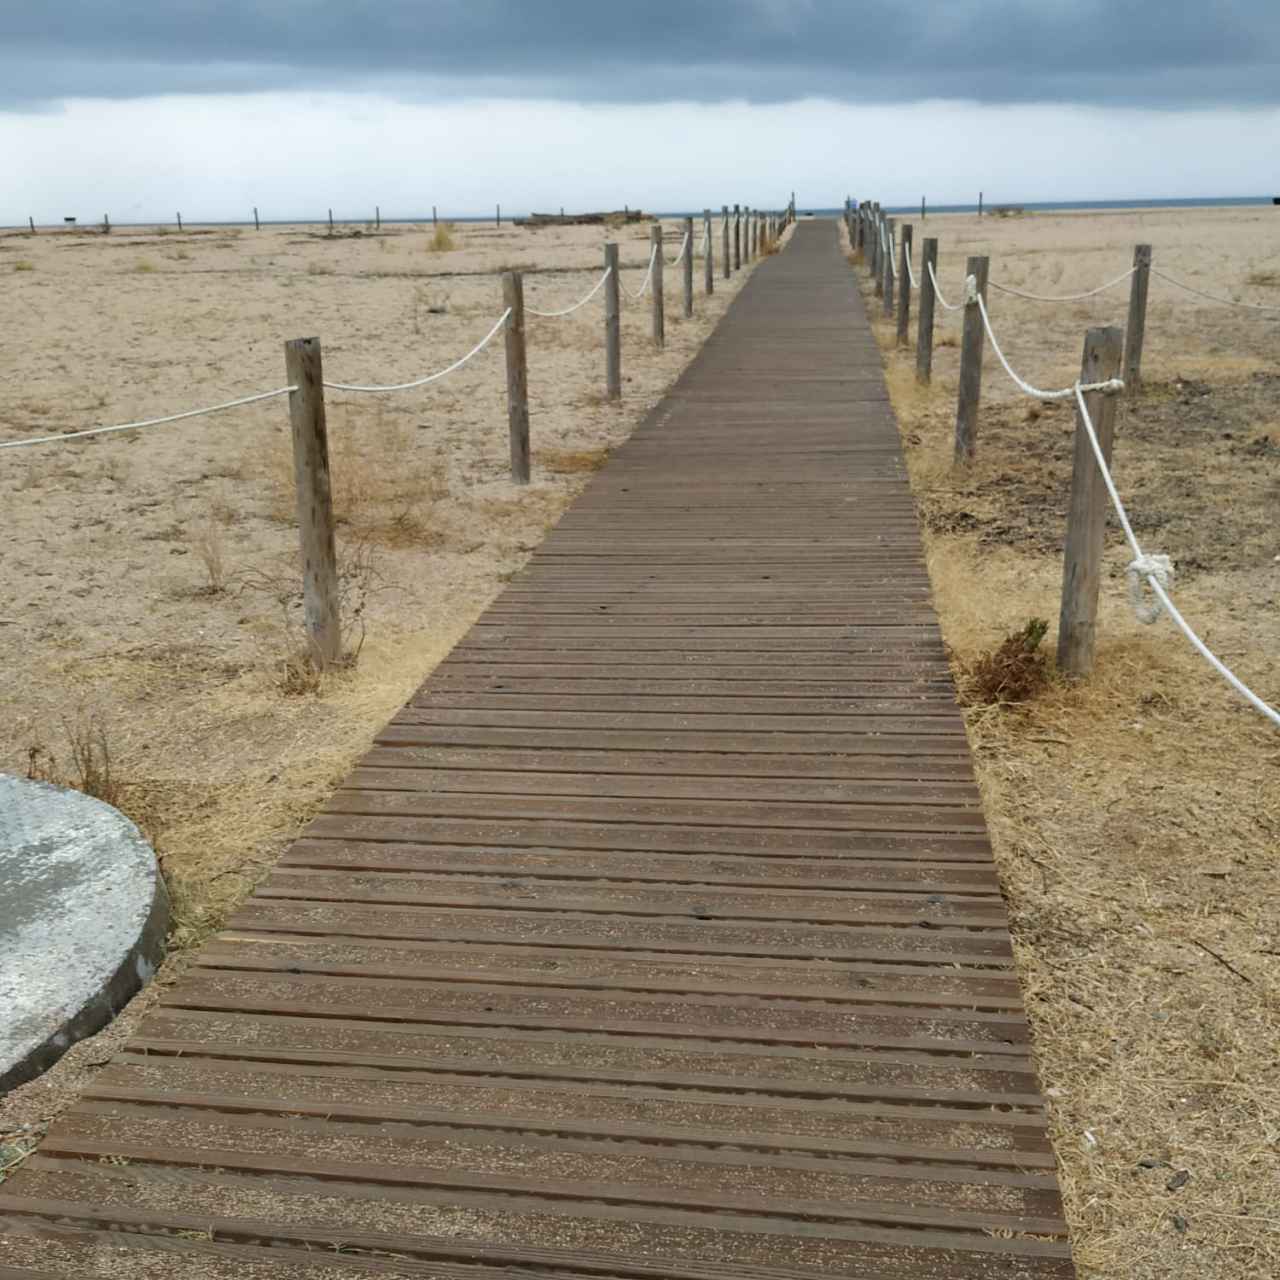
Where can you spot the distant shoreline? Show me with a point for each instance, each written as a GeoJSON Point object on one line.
{"type": "Point", "coordinates": [1029, 206]}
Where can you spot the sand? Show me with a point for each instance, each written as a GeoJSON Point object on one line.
{"type": "Point", "coordinates": [1135, 817]}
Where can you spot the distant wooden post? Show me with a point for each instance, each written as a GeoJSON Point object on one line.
{"type": "Point", "coordinates": [924, 331]}
{"type": "Point", "coordinates": [106, 224]}
{"type": "Point", "coordinates": [311, 480]}
{"type": "Point", "coordinates": [257, 226]}
{"type": "Point", "coordinates": [726, 261]}
{"type": "Point", "coordinates": [179, 221]}
{"type": "Point", "coordinates": [32, 221]}
{"type": "Point", "coordinates": [709, 262]}
{"type": "Point", "coordinates": [887, 272]}
{"type": "Point", "coordinates": [877, 251]}
{"type": "Point", "coordinates": [435, 221]}
{"type": "Point", "coordinates": [1135, 334]}
{"type": "Point", "coordinates": [971, 348]}
{"type": "Point", "coordinates": [979, 204]}
{"type": "Point", "coordinates": [612, 325]}
{"type": "Point", "coordinates": [377, 218]}
{"type": "Point", "coordinates": [737, 238]}
{"type": "Point", "coordinates": [904, 287]}
{"type": "Point", "coordinates": [331, 222]}
{"type": "Point", "coordinates": [861, 222]}
{"type": "Point", "coordinates": [517, 376]}
{"type": "Point", "coordinates": [497, 215]}
{"type": "Point", "coordinates": [755, 234]}
{"type": "Point", "coordinates": [655, 287]}
{"type": "Point", "coordinates": [688, 268]}
{"type": "Point", "coordinates": [1086, 525]}
{"type": "Point", "coordinates": [922, 208]}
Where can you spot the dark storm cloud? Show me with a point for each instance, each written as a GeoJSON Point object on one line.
{"type": "Point", "coordinates": [1141, 52]}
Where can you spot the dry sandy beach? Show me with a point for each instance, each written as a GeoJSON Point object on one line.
{"type": "Point", "coordinates": [1136, 818]}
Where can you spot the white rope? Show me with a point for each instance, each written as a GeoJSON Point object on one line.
{"type": "Point", "coordinates": [149, 422]}
{"type": "Point", "coordinates": [648, 278]}
{"type": "Point", "coordinates": [679, 258]}
{"type": "Point", "coordinates": [431, 377]}
{"type": "Point", "coordinates": [886, 241]}
{"type": "Point", "coordinates": [582, 302]}
{"type": "Point", "coordinates": [1150, 568]}
{"type": "Point", "coordinates": [1226, 302]}
{"type": "Point", "coordinates": [937, 292]}
{"type": "Point", "coordinates": [1067, 297]}
{"type": "Point", "coordinates": [1112, 384]}
{"type": "Point", "coordinates": [911, 275]}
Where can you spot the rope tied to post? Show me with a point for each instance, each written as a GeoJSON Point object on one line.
{"type": "Point", "coordinates": [937, 291]}
{"type": "Point", "coordinates": [1138, 572]}
{"type": "Point", "coordinates": [582, 302]}
{"type": "Point", "coordinates": [646, 282]}
{"type": "Point", "coordinates": [679, 258]}
{"type": "Point", "coordinates": [1066, 297]}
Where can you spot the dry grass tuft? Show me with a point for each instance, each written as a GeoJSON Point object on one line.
{"type": "Point", "coordinates": [90, 751]}
{"type": "Point", "coordinates": [442, 239]}
{"type": "Point", "coordinates": [1011, 674]}
{"type": "Point", "coordinates": [209, 545]}
{"type": "Point", "coordinates": [320, 269]}
{"type": "Point", "coordinates": [572, 461]}
{"type": "Point", "coordinates": [1264, 279]}
{"type": "Point", "coordinates": [144, 267]}
{"type": "Point", "coordinates": [24, 264]}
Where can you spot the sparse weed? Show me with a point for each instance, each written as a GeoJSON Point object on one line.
{"type": "Point", "coordinates": [209, 546]}
{"type": "Point", "coordinates": [144, 266]}
{"type": "Point", "coordinates": [442, 239]}
{"type": "Point", "coordinates": [24, 264]}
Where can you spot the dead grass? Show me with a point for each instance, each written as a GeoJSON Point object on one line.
{"type": "Point", "coordinates": [1134, 815]}
{"type": "Point", "coordinates": [24, 264]}
{"type": "Point", "coordinates": [1264, 279]}
{"type": "Point", "coordinates": [442, 239]}
{"type": "Point", "coordinates": [572, 461]}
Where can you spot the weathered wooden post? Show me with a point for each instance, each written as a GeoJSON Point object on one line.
{"type": "Point", "coordinates": [331, 222]}
{"type": "Point", "coordinates": [305, 374]}
{"type": "Point", "coordinates": [106, 224]}
{"type": "Point", "coordinates": [1135, 333]}
{"type": "Point", "coordinates": [1086, 525]}
{"type": "Point", "coordinates": [612, 325]}
{"type": "Point", "coordinates": [746, 233]}
{"type": "Point", "coordinates": [377, 217]}
{"type": "Point", "coordinates": [877, 251]}
{"type": "Point", "coordinates": [517, 376]}
{"type": "Point", "coordinates": [887, 283]}
{"type": "Point", "coordinates": [435, 221]}
{"type": "Point", "coordinates": [32, 221]}
{"type": "Point", "coordinates": [655, 286]}
{"type": "Point", "coordinates": [724, 241]}
{"type": "Point", "coordinates": [904, 286]}
{"type": "Point", "coordinates": [709, 262]}
{"type": "Point", "coordinates": [257, 226]}
{"type": "Point", "coordinates": [924, 330]}
{"type": "Point", "coordinates": [179, 221]}
{"type": "Point", "coordinates": [737, 238]}
{"type": "Point", "coordinates": [497, 215]}
{"type": "Point", "coordinates": [971, 348]}
{"type": "Point", "coordinates": [688, 268]}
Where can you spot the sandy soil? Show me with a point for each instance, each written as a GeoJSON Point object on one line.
{"type": "Point", "coordinates": [149, 589]}
{"type": "Point", "coordinates": [1136, 817]}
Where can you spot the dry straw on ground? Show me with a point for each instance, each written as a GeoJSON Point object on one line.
{"type": "Point", "coordinates": [151, 579]}
{"type": "Point", "coordinates": [1135, 816]}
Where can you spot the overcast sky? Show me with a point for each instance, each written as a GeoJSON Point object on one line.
{"type": "Point", "coordinates": [212, 106]}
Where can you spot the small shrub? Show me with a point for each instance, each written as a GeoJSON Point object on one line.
{"type": "Point", "coordinates": [209, 548]}
{"type": "Point", "coordinates": [90, 761]}
{"type": "Point", "coordinates": [144, 266]}
{"type": "Point", "coordinates": [24, 264]}
{"type": "Point", "coordinates": [442, 239]}
{"type": "Point", "coordinates": [1014, 672]}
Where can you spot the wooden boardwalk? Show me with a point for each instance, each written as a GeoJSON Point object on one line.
{"type": "Point", "coordinates": [657, 938]}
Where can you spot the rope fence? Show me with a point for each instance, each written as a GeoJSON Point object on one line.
{"type": "Point", "coordinates": [306, 386]}
{"type": "Point", "coordinates": [1112, 366]}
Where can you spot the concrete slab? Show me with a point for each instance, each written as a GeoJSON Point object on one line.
{"type": "Point", "coordinates": [83, 918]}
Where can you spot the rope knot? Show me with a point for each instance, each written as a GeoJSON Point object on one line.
{"type": "Point", "coordinates": [1138, 572]}
{"type": "Point", "coordinates": [971, 295]}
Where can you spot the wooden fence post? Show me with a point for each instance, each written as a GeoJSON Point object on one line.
{"type": "Point", "coordinates": [655, 286]}
{"type": "Point", "coordinates": [435, 221]}
{"type": "Point", "coordinates": [517, 376]}
{"type": "Point", "coordinates": [377, 217]}
{"type": "Point", "coordinates": [32, 221]}
{"type": "Point", "coordinates": [1135, 333]}
{"type": "Point", "coordinates": [1086, 525]}
{"type": "Point", "coordinates": [904, 287]}
{"type": "Point", "coordinates": [305, 374]}
{"type": "Point", "coordinates": [257, 226]}
{"type": "Point", "coordinates": [889, 225]}
{"type": "Point", "coordinates": [737, 238]}
{"type": "Point", "coordinates": [612, 325]}
{"type": "Point", "coordinates": [106, 224]}
{"type": "Point", "coordinates": [688, 268]}
{"type": "Point", "coordinates": [877, 252]}
{"type": "Point", "coordinates": [724, 241]}
{"type": "Point", "coordinates": [971, 348]}
{"type": "Point", "coordinates": [179, 221]}
{"type": "Point", "coordinates": [709, 263]}
{"type": "Point", "coordinates": [497, 215]}
{"type": "Point", "coordinates": [924, 330]}
{"type": "Point", "coordinates": [331, 222]}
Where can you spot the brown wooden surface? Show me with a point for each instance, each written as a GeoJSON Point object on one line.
{"type": "Point", "coordinates": [657, 936]}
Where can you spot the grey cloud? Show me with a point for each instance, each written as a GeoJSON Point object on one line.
{"type": "Point", "coordinates": [1144, 52]}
